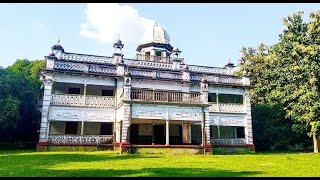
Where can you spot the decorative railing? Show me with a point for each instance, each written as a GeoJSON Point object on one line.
{"type": "Point", "coordinates": [78, 100]}
{"type": "Point", "coordinates": [80, 140]}
{"type": "Point", "coordinates": [147, 64]}
{"type": "Point", "coordinates": [70, 66]}
{"type": "Point", "coordinates": [87, 58]}
{"type": "Point", "coordinates": [160, 59]}
{"type": "Point", "coordinates": [169, 75]}
{"type": "Point", "coordinates": [142, 73]}
{"type": "Point", "coordinates": [155, 74]}
{"type": "Point", "coordinates": [148, 95]}
{"type": "Point", "coordinates": [228, 142]}
{"type": "Point", "coordinates": [229, 108]}
{"type": "Point", "coordinates": [104, 70]}
{"type": "Point", "coordinates": [209, 70]}
{"type": "Point", "coordinates": [84, 67]}
{"type": "Point", "coordinates": [217, 79]}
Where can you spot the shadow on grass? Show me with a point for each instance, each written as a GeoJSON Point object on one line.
{"type": "Point", "coordinates": [145, 172]}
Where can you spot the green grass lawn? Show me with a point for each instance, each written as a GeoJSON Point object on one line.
{"type": "Point", "coordinates": [109, 163]}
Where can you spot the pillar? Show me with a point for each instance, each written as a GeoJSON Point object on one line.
{"type": "Point", "coordinates": [248, 128]}
{"type": "Point", "coordinates": [44, 125]}
{"type": "Point", "coordinates": [84, 93]}
{"type": "Point", "coordinates": [186, 135]}
{"type": "Point", "coordinates": [167, 132]}
{"type": "Point", "coordinates": [82, 128]}
{"type": "Point", "coordinates": [207, 125]}
{"type": "Point", "coordinates": [185, 73]}
{"type": "Point", "coordinates": [203, 138]}
{"type": "Point", "coordinates": [126, 123]}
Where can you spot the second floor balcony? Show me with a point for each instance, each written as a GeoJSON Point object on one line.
{"type": "Point", "coordinates": [80, 95]}
{"type": "Point", "coordinates": [163, 96]}
{"type": "Point", "coordinates": [82, 101]}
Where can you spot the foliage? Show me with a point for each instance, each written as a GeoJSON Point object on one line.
{"type": "Point", "coordinates": [19, 92]}
{"type": "Point", "coordinates": [272, 131]}
{"type": "Point", "coordinates": [288, 73]}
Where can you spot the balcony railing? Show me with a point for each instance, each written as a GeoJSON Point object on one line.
{"type": "Point", "coordinates": [80, 140]}
{"type": "Point", "coordinates": [79, 100]}
{"type": "Point", "coordinates": [228, 108]}
{"type": "Point", "coordinates": [148, 95]}
{"type": "Point", "coordinates": [153, 58]}
{"type": "Point", "coordinates": [228, 142]}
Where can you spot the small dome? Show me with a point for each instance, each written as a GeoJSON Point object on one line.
{"type": "Point", "coordinates": [118, 44]}
{"type": "Point", "coordinates": [158, 35]}
{"type": "Point", "coordinates": [175, 49]}
{"type": "Point", "coordinates": [57, 46]}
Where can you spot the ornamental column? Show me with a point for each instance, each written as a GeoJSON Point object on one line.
{"type": "Point", "coordinates": [126, 108]}
{"type": "Point", "coordinates": [248, 129]}
{"type": "Point", "coordinates": [176, 61]}
{"type": "Point", "coordinates": [205, 125]}
{"type": "Point", "coordinates": [44, 124]}
{"type": "Point", "coordinates": [167, 128]}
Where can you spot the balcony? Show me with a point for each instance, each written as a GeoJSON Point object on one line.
{"type": "Point", "coordinates": [161, 96]}
{"type": "Point", "coordinates": [160, 59]}
{"type": "Point", "coordinates": [228, 142]}
{"type": "Point", "coordinates": [82, 101]}
{"type": "Point", "coordinates": [80, 140]}
{"type": "Point", "coordinates": [227, 108]}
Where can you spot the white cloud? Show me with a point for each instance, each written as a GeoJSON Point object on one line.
{"type": "Point", "coordinates": [105, 21]}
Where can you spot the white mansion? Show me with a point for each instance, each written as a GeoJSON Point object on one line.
{"type": "Point", "coordinates": [154, 100]}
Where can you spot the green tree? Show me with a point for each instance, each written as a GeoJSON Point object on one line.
{"type": "Point", "coordinates": [287, 73]}
{"type": "Point", "coordinates": [297, 72]}
{"type": "Point", "coordinates": [19, 92]}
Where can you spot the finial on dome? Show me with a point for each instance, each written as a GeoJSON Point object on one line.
{"type": "Point", "coordinates": [118, 45]}
{"type": "Point", "coordinates": [229, 64]}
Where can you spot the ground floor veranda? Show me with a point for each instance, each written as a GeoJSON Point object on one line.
{"type": "Point", "coordinates": [143, 132]}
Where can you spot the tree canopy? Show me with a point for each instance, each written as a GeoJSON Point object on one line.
{"type": "Point", "coordinates": [19, 92]}
{"type": "Point", "coordinates": [287, 73]}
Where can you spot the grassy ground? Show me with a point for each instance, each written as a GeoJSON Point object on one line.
{"type": "Point", "coordinates": [109, 163]}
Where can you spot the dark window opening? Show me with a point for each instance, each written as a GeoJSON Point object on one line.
{"type": "Point", "coordinates": [230, 98]}
{"type": "Point", "coordinates": [147, 56]}
{"type": "Point", "coordinates": [74, 91]}
{"type": "Point", "coordinates": [240, 132]}
{"type": "Point", "coordinates": [106, 129]}
{"type": "Point", "coordinates": [212, 97]}
{"type": "Point", "coordinates": [158, 53]}
{"type": "Point", "coordinates": [214, 131]}
{"type": "Point", "coordinates": [107, 92]}
{"type": "Point", "coordinates": [71, 128]}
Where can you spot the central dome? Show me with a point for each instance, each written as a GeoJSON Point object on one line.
{"type": "Point", "coordinates": [158, 35]}
{"type": "Point", "coordinates": [155, 37]}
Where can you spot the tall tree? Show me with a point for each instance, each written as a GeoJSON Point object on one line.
{"type": "Point", "coordinates": [297, 72]}
{"type": "Point", "coordinates": [19, 92]}
{"type": "Point", "coordinates": [289, 73]}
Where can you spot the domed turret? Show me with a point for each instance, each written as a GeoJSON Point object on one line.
{"type": "Point", "coordinates": [158, 35]}
{"type": "Point", "coordinates": [155, 46]}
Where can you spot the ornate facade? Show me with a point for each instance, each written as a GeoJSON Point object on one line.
{"type": "Point", "coordinates": [154, 99]}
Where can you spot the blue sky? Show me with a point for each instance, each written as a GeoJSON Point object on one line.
{"type": "Point", "coordinates": [207, 34]}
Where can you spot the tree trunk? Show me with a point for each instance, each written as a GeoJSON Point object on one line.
{"type": "Point", "coordinates": [315, 143]}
